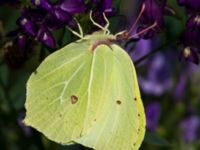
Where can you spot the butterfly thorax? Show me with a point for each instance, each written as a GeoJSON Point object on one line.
{"type": "Point", "coordinates": [98, 38]}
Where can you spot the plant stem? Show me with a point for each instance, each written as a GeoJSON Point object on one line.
{"type": "Point", "coordinates": [1, 62]}
{"type": "Point", "coordinates": [60, 42]}
{"type": "Point", "coordinates": [6, 89]}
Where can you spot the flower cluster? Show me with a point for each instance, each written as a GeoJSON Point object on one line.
{"type": "Point", "coordinates": [191, 36]}
{"type": "Point", "coordinates": [191, 5]}
{"type": "Point", "coordinates": [152, 21]}
{"type": "Point", "coordinates": [152, 18]}
{"type": "Point", "coordinates": [47, 17]}
{"type": "Point", "coordinates": [18, 51]}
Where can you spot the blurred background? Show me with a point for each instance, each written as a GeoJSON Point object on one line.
{"type": "Point", "coordinates": [163, 44]}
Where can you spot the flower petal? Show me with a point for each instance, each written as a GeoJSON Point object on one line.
{"type": "Point", "coordinates": [72, 6]}
{"type": "Point", "coordinates": [46, 37]}
{"type": "Point", "coordinates": [44, 4]}
{"type": "Point", "coordinates": [27, 25]}
{"type": "Point", "coordinates": [189, 54]}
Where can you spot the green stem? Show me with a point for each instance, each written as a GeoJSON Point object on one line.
{"type": "Point", "coordinates": [6, 89]}
{"type": "Point", "coordinates": [60, 42]}
{"type": "Point", "coordinates": [1, 62]}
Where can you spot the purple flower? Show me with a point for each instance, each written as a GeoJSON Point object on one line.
{"type": "Point", "coordinates": [152, 115]}
{"type": "Point", "coordinates": [58, 18]}
{"type": "Point", "coordinates": [190, 54]}
{"type": "Point", "coordinates": [153, 16]}
{"type": "Point", "coordinates": [103, 6]}
{"type": "Point", "coordinates": [45, 36]}
{"type": "Point", "coordinates": [180, 87]}
{"type": "Point", "coordinates": [72, 6]}
{"type": "Point", "coordinates": [189, 128]}
{"type": "Point", "coordinates": [39, 23]}
{"type": "Point", "coordinates": [21, 41]}
{"type": "Point", "coordinates": [158, 72]}
{"type": "Point", "coordinates": [32, 23]}
{"type": "Point", "coordinates": [191, 5]}
{"type": "Point", "coordinates": [192, 37]}
{"type": "Point", "coordinates": [18, 51]}
{"type": "Point", "coordinates": [43, 4]}
{"type": "Point", "coordinates": [190, 40]}
{"type": "Point", "coordinates": [157, 76]}
{"type": "Point", "coordinates": [27, 25]}
{"type": "Point", "coordinates": [142, 48]}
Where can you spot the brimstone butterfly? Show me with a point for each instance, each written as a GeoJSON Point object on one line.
{"type": "Point", "coordinates": [87, 93]}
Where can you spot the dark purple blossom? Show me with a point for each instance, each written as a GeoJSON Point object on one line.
{"type": "Point", "coordinates": [45, 36]}
{"type": "Point", "coordinates": [72, 6]}
{"type": "Point", "coordinates": [27, 25]}
{"type": "Point", "coordinates": [152, 115]}
{"type": "Point", "coordinates": [43, 4]}
{"type": "Point", "coordinates": [103, 6]}
{"type": "Point", "coordinates": [153, 17]}
{"type": "Point", "coordinates": [18, 51]}
{"type": "Point", "coordinates": [191, 5]}
{"type": "Point", "coordinates": [153, 12]}
{"type": "Point", "coordinates": [189, 128]}
{"type": "Point", "coordinates": [57, 18]}
{"type": "Point", "coordinates": [191, 39]}
{"type": "Point", "coordinates": [190, 54]}
{"type": "Point", "coordinates": [62, 11]}
{"type": "Point", "coordinates": [39, 23]}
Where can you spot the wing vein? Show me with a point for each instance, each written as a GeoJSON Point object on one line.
{"type": "Point", "coordinates": [55, 69]}
{"type": "Point", "coordinates": [66, 83]}
{"type": "Point", "coordinates": [89, 87]}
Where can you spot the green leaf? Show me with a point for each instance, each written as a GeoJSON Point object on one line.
{"type": "Point", "coordinates": [87, 93]}
{"type": "Point", "coordinates": [155, 139]}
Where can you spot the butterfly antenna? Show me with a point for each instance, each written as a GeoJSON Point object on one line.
{"type": "Point", "coordinates": [107, 23]}
{"type": "Point", "coordinates": [80, 34]}
{"type": "Point", "coordinates": [105, 29]}
{"type": "Point", "coordinates": [80, 29]}
{"type": "Point", "coordinates": [75, 33]}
